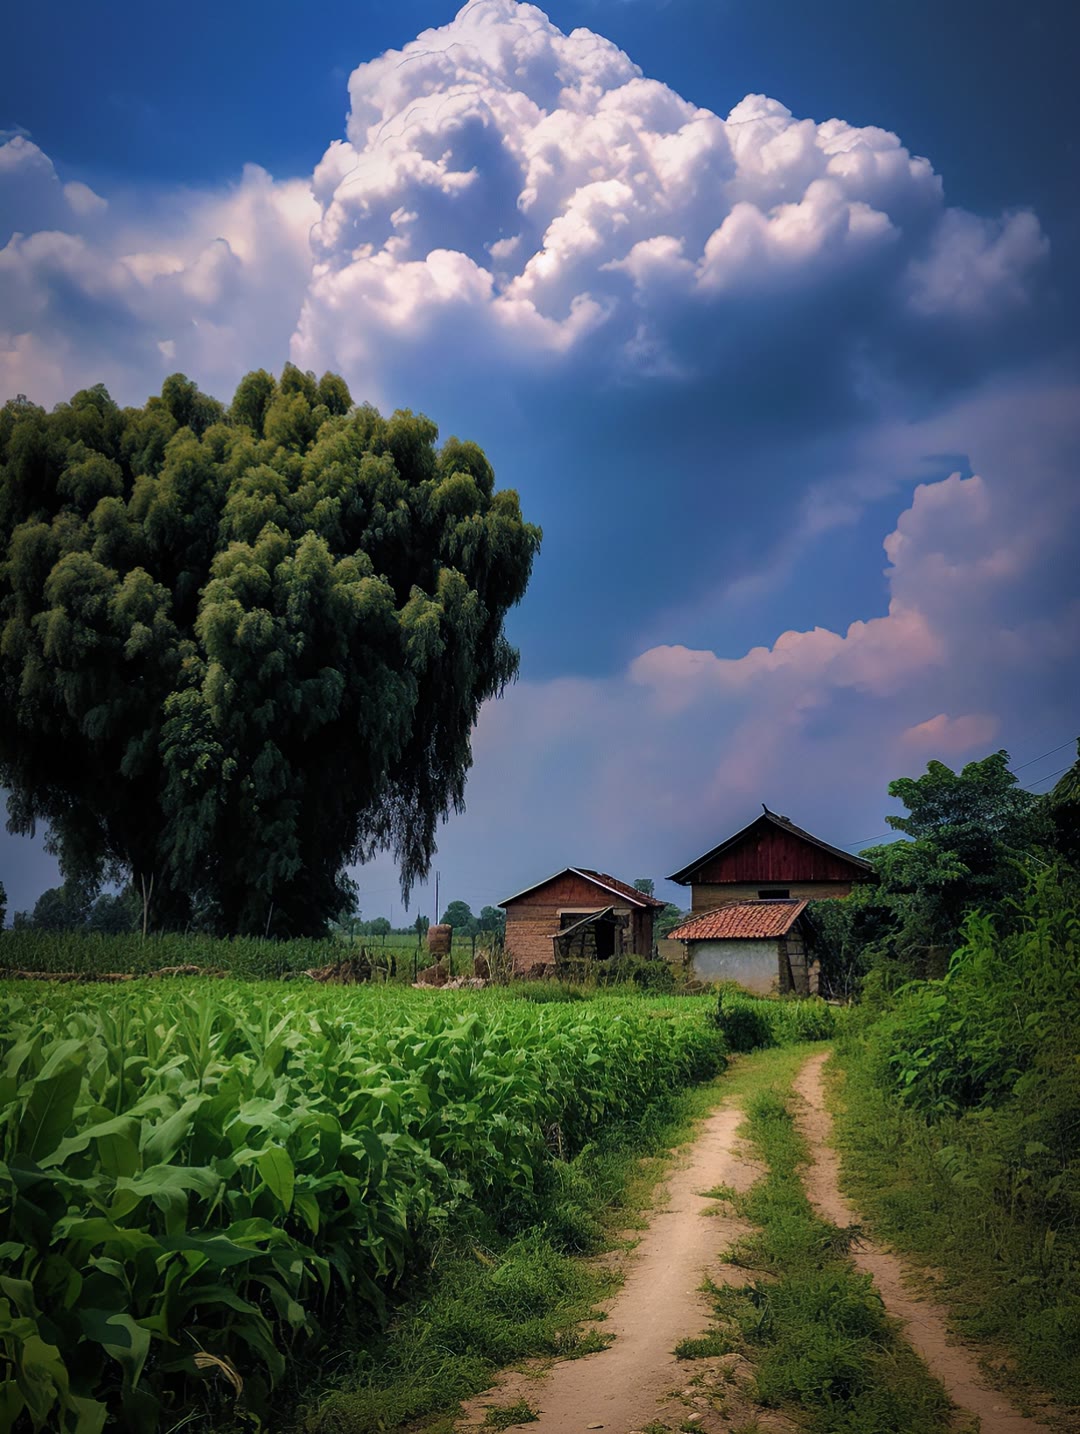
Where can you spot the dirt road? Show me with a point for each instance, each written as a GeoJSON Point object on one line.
{"type": "Point", "coordinates": [638, 1379]}
{"type": "Point", "coordinates": [923, 1321]}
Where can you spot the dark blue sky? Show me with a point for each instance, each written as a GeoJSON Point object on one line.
{"type": "Point", "coordinates": [774, 366]}
{"type": "Point", "coordinates": [158, 95]}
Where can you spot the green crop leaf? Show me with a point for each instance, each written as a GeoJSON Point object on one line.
{"type": "Point", "coordinates": [276, 1169]}
{"type": "Point", "coordinates": [121, 1125]}
{"type": "Point", "coordinates": [49, 1109]}
{"type": "Point", "coordinates": [120, 1336]}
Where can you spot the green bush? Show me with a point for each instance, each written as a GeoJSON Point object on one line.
{"type": "Point", "coordinates": [645, 974]}
{"type": "Point", "coordinates": [748, 1023]}
{"type": "Point", "coordinates": [962, 1123]}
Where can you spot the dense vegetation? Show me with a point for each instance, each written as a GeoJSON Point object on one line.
{"type": "Point", "coordinates": [962, 1127]}
{"type": "Point", "coordinates": [196, 1181]}
{"type": "Point", "coordinates": [244, 647]}
{"type": "Point", "coordinates": [970, 839]}
{"type": "Point", "coordinates": [92, 954]}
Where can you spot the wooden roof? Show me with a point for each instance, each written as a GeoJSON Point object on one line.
{"type": "Point", "coordinates": [860, 869]}
{"type": "Point", "coordinates": [609, 884]}
{"type": "Point", "coordinates": [742, 921]}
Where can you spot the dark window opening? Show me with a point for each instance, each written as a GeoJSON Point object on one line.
{"type": "Point", "coordinates": [776, 893]}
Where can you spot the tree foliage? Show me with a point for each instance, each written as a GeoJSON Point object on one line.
{"type": "Point", "coordinates": [1064, 811]}
{"type": "Point", "coordinates": [242, 648]}
{"type": "Point", "coordinates": [971, 836]}
{"type": "Point", "coordinates": [458, 914]}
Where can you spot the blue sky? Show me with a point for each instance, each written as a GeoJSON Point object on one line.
{"type": "Point", "coordinates": [767, 310]}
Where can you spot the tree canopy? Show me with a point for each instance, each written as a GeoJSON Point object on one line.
{"type": "Point", "coordinates": [971, 836]}
{"type": "Point", "coordinates": [245, 647]}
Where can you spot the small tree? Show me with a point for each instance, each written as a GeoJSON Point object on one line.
{"type": "Point", "coordinates": [492, 920]}
{"type": "Point", "coordinates": [460, 917]}
{"type": "Point", "coordinates": [645, 885]}
{"type": "Point", "coordinates": [666, 920]}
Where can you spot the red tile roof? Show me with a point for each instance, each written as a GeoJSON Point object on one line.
{"type": "Point", "coordinates": [742, 920]}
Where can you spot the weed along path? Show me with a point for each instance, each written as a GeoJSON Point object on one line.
{"type": "Point", "coordinates": [638, 1380]}
{"type": "Point", "coordinates": [923, 1321]}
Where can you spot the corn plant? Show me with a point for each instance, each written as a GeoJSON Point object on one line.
{"type": "Point", "coordinates": [194, 1180]}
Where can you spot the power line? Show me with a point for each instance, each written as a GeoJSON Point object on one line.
{"type": "Point", "coordinates": [1039, 780]}
{"type": "Point", "coordinates": [1045, 754]}
{"type": "Point", "coordinates": [865, 841]}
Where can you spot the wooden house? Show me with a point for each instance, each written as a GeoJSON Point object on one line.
{"type": "Point", "coordinates": [763, 945]}
{"type": "Point", "coordinates": [771, 860]}
{"type": "Point", "coordinates": [576, 917]}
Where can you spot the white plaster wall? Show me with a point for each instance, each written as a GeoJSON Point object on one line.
{"type": "Point", "coordinates": [754, 964]}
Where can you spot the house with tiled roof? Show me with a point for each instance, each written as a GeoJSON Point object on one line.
{"type": "Point", "coordinates": [763, 945]}
{"type": "Point", "coordinates": [574, 918]}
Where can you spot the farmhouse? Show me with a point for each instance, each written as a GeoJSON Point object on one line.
{"type": "Point", "coordinates": [771, 859]}
{"type": "Point", "coordinates": [760, 944]}
{"type": "Point", "coordinates": [577, 916]}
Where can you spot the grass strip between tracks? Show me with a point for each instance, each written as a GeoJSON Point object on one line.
{"type": "Point", "coordinates": [812, 1326]}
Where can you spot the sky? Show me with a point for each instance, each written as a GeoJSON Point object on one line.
{"type": "Point", "coordinates": [768, 311]}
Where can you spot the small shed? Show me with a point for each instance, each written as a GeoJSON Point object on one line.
{"type": "Point", "coordinates": [577, 916]}
{"type": "Point", "coordinates": [763, 945]}
{"type": "Point", "coordinates": [771, 859]}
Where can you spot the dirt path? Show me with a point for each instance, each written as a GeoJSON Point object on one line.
{"type": "Point", "coordinates": [638, 1379]}
{"type": "Point", "coordinates": [924, 1321]}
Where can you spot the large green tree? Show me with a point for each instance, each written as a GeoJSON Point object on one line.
{"type": "Point", "coordinates": [972, 839]}
{"type": "Point", "coordinates": [245, 647]}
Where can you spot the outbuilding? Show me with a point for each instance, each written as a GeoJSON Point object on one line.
{"type": "Point", "coordinates": [763, 945]}
{"type": "Point", "coordinates": [771, 859]}
{"type": "Point", "coordinates": [574, 918]}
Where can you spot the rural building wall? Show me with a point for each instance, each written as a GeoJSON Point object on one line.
{"type": "Point", "coordinates": [770, 855]}
{"type": "Point", "coordinates": [754, 964]}
{"type": "Point", "coordinates": [707, 896]}
{"type": "Point", "coordinates": [531, 919]}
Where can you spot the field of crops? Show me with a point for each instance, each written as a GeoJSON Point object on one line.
{"type": "Point", "coordinates": [196, 1179]}
{"type": "Point", "coordinates": [95, 955]}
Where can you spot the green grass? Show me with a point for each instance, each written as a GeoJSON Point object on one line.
{"type": "Point", "coordinates": [706, 1347]}
{"type": "Point", "coordinates": [813, 1327]}
{"type": "Point", "coordinates": [951, 1194]}
{"type": "Point", "coordinates": [492, 1305]}
{"type": "Point", "coordinates": [503, 1416]}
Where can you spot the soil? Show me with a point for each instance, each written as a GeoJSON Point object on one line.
{"type": "Point", "coordinates": [638, 1379]}
{"type": "Point", "coordinates": [924, 1322]}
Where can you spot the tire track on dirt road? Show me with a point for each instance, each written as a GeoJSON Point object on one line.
{"type": "Point", "coordinates": [636, 1380]}
{"type": "Point", "coordinates": [923, 1321]}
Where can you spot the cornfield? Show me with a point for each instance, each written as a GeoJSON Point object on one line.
{"type": "Point", "coordinates": [194, 1180]}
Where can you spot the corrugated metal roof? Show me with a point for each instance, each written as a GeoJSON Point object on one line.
{"type": "Point", "coordinates": [742, 921]}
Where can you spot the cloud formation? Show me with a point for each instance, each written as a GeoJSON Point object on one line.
{"type": "Point", "coordinates": [522, 193]}
{"type": "Point", "coordinates": [209, 283]}
{"type": "Point", "coordinates": [510, 194]}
